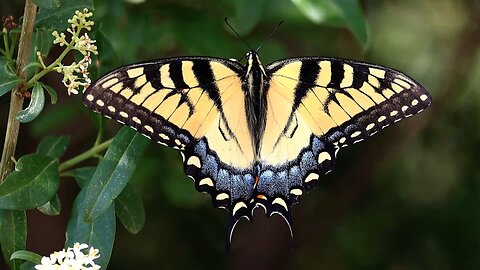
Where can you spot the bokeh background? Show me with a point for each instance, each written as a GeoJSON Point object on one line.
{"type": "Point", "coordinates": [409, 198]}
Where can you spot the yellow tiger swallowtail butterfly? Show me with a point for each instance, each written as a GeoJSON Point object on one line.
{"type": "Point", "coordinates": [253, 135]}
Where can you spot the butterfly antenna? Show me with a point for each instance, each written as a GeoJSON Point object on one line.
{"type": "Point", "coordinates": [271, 34]}
{"type": "Point", "coordinates": [239, 37]}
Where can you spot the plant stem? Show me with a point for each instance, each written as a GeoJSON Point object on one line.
{"type": "Point", "coordinates": [84, 156]}
{"type": "Point", "coordinates": [42, 73]}
{"type": "Point", "coordinates": [16, 101]}
{"type": "Point", "coordinates": [50, 67]}
{"type": "Point", "coordinates": [100, 132]}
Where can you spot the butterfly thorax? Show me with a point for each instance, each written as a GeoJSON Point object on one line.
{"type": "Point", "coordinates": [253, 83]}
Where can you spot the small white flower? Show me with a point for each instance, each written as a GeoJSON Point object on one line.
{"type": "Point", "coordinates": [71, 259]}
{"type": "Point", "coordinates": [75, 75]}
{"type": "Point", "coordinates": [59, 38]}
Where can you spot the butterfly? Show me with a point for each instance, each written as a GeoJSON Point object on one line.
{"type": "Point", "coordinates": [256, 135]}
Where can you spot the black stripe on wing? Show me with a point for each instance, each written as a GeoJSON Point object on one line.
{"type": "Point", "coordinates": [393, 95]}
{"type": "Point", "coordinates": [337, 75]}
{"type": "Point", "coordinates": [123, 93]}
{"type": "Point", "coordinates": [123, 110]}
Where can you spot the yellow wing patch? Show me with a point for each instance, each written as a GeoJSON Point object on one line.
{"type": "Point", "coordinates": [344, 101]}
{"type": "Point", "coordinates": [277, 146]}
{"type": "Point", "coordinates": [229, 136]}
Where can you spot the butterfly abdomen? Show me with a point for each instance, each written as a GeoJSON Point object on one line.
{"type": "Point", "coordinates": [255, 99]}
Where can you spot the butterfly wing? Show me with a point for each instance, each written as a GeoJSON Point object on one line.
{"type": "Point", "coordinates": [315, 107]}
{"type": "Point", "coordinates": [193, 104]}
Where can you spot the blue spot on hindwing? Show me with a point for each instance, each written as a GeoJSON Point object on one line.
{"type": "Point", "coordinates": [265, 182]}
{"type": "Point", "coordinates": [295, 173]}
{"type": "Point", "coordinates": [272, 184]}
{"type": "Point", "coordinates": [210, 165]}
{"type": "Point", "coordinates": [335, 136]}
{"type": "Point", "coordinates": [240, 188]}
{"type": "Point", "coordinates": [201, 148]}
{"type": "Point", "coordinates": [317, 146]}
{"type": "Point", "coordinates": [248, 178]}
{"type": "Point", "coordinates": [183, 138]}
{"type": "Point", "coordinates": [169, 130]}
{"type": "Point", "coordinates": [223, 180]}
{"type": "Point", "coordinates": [308, 162]}
{"type": "Point", "coordinates": [281, 183]}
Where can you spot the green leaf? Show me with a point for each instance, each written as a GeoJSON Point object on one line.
{"type": "Point", "coordinates": [337, 12]}
{"type": "Point", "coordinates": [99, 234]}
{"type": "Point", "coordinates": [52, 207]}
{"type": "Point", "coordinates": [83, 175]}
{"type": "Point", "coordinates": [42, 41]}
{"type": "Point", "coordinates": [28, 266]}
{"type": "Point", "coordinates": [7, 85]}
{"type": "Point", "coordinates": [51, 92]}
{"type": "Point", "coordinates": [50, 120]}
{"type": "Point", "coordinates": [8, 78]}
{"type": "Point", "coordinates": [129, 209]}
{"type": "Point", "coordinates": [352, 15]}
{"type": "Point", "coordinates": [135, 2]}
{"type": "Point", "coordinates": [48, 4]}
{"type": "Point", "coordinates": [178, 193]}
{"type": "Point", "coordinates": [35, 107]}
{"type": "Point", "coordinates": [58, 18]}
{"type": "Point", "coordinates": [53, 146]}
{"type": "Point", "coordinates": [32, 65]}
{"type": "Point", "coordinates": [197, 43]}
{"type": "Point", "coordinates": [247, 15]}
{"type": "Point", "coordinates": [113, 172]}
{"type": "Point", "coordinates": [318, 11]}
{"type": "Point", "coordinates": [13, 234]}
{"type": "Point", "coordinates": [26, 256]}
{"type": "Point", "coordinates": [33, 183]}
{"type": "Point", "coordinates": [107, 59]}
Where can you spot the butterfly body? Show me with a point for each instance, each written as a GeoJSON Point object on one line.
{"type": "Point", "coordinates": [254, 87]}
{"type": "Point", "coordinates": [253, 135]}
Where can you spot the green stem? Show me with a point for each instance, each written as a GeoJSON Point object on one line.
{"type": "Point", "coordinates": [16, 101]}
{"type": "Point", "coordinates": [50, 67]}
{"type": "Point", "coordinates": [2, 51]}
{"type": "Point", "coordinates": [100, 132]}
{"type": "Point", "coordinates": [40, 59]}
{"type": "Point", "coordinates": [84, 156]}
{"type": "Point", "coordinates": [66, 174]}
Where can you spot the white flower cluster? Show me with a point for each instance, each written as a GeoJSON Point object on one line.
{"type": "Point", "coordinates": [71, 259]}
{"type": "Point", "coordinates": [71, 78]}
{"type": "Point", "coordinates": [80, 21]}
{"type": "Point", "coordinates": [84, 44]}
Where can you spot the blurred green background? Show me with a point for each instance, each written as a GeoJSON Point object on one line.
{"type": "Point", "coordinates": [409, 198]}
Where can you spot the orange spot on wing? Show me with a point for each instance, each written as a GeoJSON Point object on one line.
{"type": "Point", "coordinates": [262, 197]}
